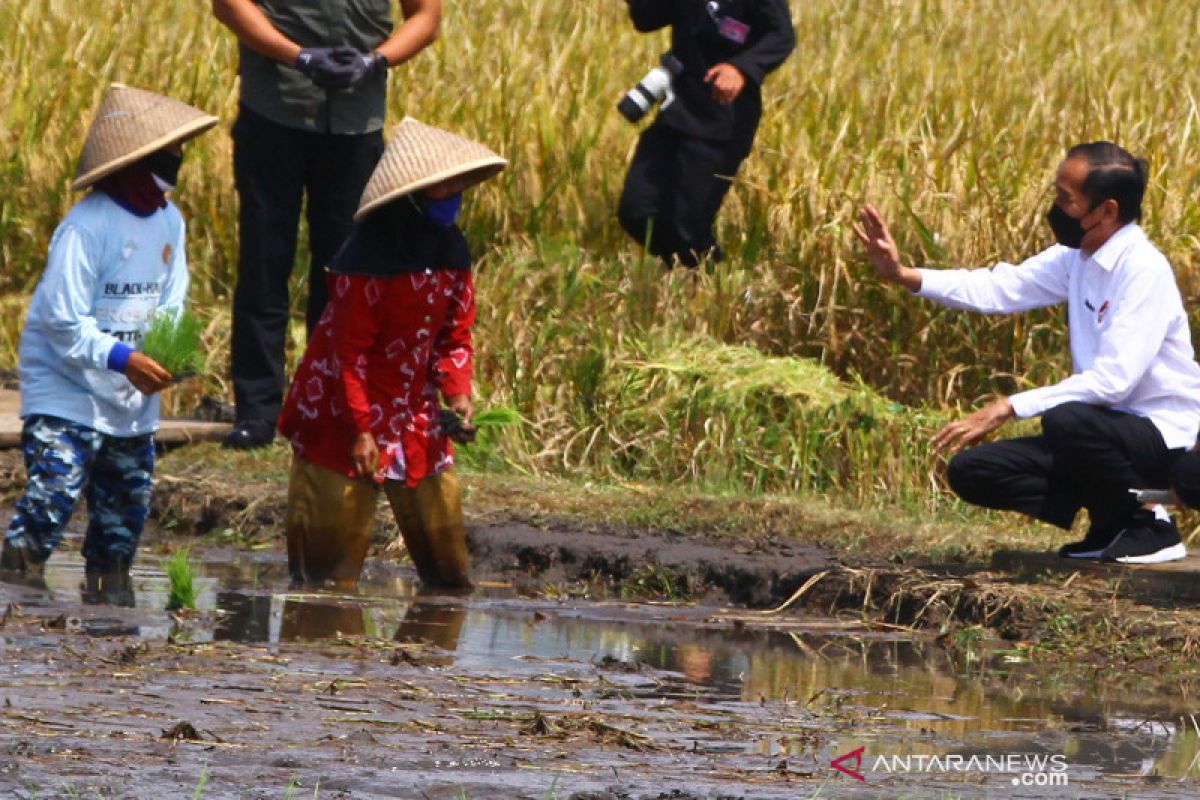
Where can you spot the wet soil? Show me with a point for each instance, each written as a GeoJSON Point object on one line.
{"type": "Point", "coordinates": [394, 693]}
{"type": "Point", "coordinates": [719, 571]}
{"type": "Point", "coordinates": [546, 683]}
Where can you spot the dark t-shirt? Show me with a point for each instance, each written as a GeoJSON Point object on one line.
{"type": "Point", "coordinates": [284, 95]}
{"type": "Point", "coordinates": [756, 36]}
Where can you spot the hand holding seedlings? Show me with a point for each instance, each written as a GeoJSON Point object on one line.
{"type": "Point", "coordinates": [457, 427]}
{"type": "Point", "coordinates": [146, 374]}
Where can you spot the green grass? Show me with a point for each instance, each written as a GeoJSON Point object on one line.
{"type": "Point", "coordinates": [173, 340]}
{"type": "Point", "coordinates": [654, 581]}
{"type": "Point", "coordinates": [181, 592]}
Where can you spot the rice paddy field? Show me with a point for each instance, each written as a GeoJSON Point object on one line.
{"type": "Point", "coordinates": [751, 434]}
{"type": "Point", "coordinates": [786, 368]}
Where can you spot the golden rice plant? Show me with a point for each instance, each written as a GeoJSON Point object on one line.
{"type": "Point", "coordinates": [950, 115]}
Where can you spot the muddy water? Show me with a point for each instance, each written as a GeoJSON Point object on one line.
{"type": "Point", "coordinates": [620, 700]}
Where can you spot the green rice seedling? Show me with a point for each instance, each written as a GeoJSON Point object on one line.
{"type": "Point", "coordinates": [657, 582]}
{"type": "Point", "coordinates": [181, 592]}
{"type": "Point", "coordinates": [201, 782]}
{"type": "Point", "coordinates": [485, 452]}
{"type": "Point", "coordinates": [294, 785]}
{"type": "Point", "coordinates": [496, 417]}
{"type": "Point", "coordinates": [173, 340]}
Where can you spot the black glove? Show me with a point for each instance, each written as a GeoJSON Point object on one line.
{"type": "Point", "coordinates": [336, 67]}
{"type": "Point", "coordinates": [371, 64]}
{"type": "Point", "coordinates": [455, 427]}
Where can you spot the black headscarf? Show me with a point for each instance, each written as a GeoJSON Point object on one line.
{"type": "Point", "coordinates": [397, 239]}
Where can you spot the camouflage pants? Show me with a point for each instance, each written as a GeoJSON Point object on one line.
{"type": "Point", "coordinates": [64, 460]}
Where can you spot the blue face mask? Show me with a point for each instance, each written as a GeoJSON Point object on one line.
{"type": "Point", "coordinates": [444, 212]}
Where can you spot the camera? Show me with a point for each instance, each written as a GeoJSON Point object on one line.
{"type": "Point", "coordinates": [652, 89]}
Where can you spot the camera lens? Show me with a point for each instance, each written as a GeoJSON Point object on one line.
{"type": "Point", "coordinates": [629, 108]}
{"type": "Point", "coordinates": [637, 102]}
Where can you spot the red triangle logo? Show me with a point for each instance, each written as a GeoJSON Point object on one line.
{"type": "Point", "coordinates": [856, 756]}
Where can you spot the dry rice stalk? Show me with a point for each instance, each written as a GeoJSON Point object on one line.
{"type": "Point", "coordinates": [803, 590]}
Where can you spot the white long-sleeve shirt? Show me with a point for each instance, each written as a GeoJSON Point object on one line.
{"type": "Point", "coordinates": [107, 274]}
{"type": "Point", "coordinates": [1131, 346]}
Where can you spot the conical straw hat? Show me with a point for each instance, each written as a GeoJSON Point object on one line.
{"type": "Point", "coordinates": [131, 124]}
{"type": "Point", "coordinates": [419, 156]}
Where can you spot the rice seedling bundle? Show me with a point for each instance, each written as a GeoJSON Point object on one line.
{"type": "Point", "coordinates": [173, 340]}
{"type": "Point", "coordinates": [181, 590]}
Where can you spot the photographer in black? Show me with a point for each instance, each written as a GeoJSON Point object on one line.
{"type": "Point", "coordinates": [685, 161]}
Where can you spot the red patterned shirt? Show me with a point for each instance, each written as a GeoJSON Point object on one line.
{"type": "Point", "coordinates": [377, 359]}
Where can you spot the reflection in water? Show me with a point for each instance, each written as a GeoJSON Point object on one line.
{"type": "Point", "coordinates": [247, 618]}
{"type": "Point", "coordinates": [306, 620]}
{"type": "Point", "coordinates": [696, 663]}
{"type": "Point", "coordinates": [912, 688]}
{"type": "Point", "coordinates": [434, 623]}
{"type": "Point", "coordinates": [243, 618]}
{"type": "Point", "coordinates": [109, 628]}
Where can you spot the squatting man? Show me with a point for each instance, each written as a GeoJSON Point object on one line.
{"type": "Point", "coordinates": [1131, 407]}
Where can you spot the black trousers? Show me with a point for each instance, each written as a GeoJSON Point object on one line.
{"type": "Point", "coordinates": [275, 167]}
{"type": "Point", "coordinates": [674, 189]}
{"type": "Point", "coordinates": [1087, 457]}
{"type": "Point", "coordinates": [1185, 478]}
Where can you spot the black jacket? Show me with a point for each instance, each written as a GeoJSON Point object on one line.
{"type": "Point", "coordinates": [700, 41]}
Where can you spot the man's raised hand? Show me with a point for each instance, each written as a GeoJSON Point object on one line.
{"type": "Point", "coordinates": [882, 251]}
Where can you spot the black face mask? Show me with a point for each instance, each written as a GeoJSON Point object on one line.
{"type": "Point", "coordinates": [165, 165]}
{"type": "Point", "coordinates": [1068, 231]}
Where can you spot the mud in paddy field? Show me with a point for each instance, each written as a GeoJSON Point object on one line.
{"type": "Point", "coordinates": [266, 693]}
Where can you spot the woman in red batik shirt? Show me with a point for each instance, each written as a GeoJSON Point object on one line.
{"type": "Point", "coordinates": [365, 406]}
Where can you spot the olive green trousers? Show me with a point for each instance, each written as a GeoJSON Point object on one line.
{"type": "Point", "coordinates": [330, 520]}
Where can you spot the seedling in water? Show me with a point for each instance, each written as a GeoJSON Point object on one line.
{"type": "Point", "coordinates": [182, 593]}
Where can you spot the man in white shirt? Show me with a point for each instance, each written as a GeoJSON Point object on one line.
{"type": "Point", "coordinates": [1131, 406]}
